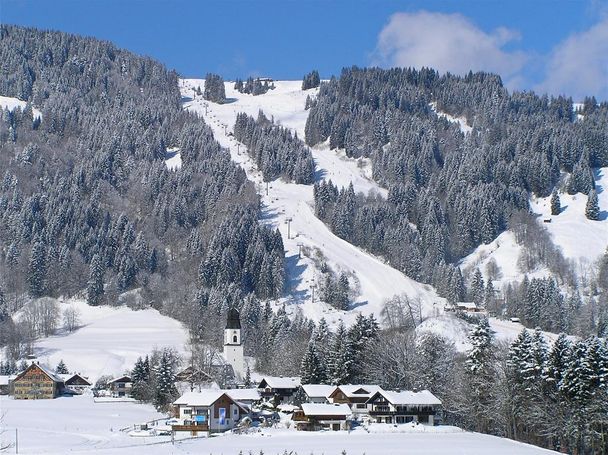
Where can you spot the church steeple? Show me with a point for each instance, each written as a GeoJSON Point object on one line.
{"type": "Point", "coordinates": [233, 349]}
{"type": "Point", "coordinates": [234, 320]}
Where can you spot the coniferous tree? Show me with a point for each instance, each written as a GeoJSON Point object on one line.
{"type": "Point", "coordinates": [592, 209]}
{"type": "Point", "coordinates": [61, 368]}
{"type": "Point", "coordinates": [555, 203]}
{"type": "Point", "coordinates": [37, 270]}
{"type": "Point", "coordinates": [312, 368]}
{"type": "Point", "coordinates": [95, 290]}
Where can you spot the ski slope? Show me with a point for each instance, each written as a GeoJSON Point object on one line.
{"type": "Point", "coordinates": [110, 339]}
{"type": "Point", "coordinates": [376, 281]}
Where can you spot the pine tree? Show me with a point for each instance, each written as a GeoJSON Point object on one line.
{"type": "Point", "coordinates": [37, 269]}
{"type": "Point", "coordinates": [556, 207]}
{"type": "Point", "coordinates": [592, 209]}
{"type": "Point", "coordinates": [341, 357]}
{"type": "Point", "coordinates": [62, 368]}
{"type": "Point", "coordinates": [95, 289]}
{"type": "Point", "coordinates": [165, 391]}
{"type": "Point", "coordinates": [247, 381]}
{"type": "Point", "coordinates": [312, 368]}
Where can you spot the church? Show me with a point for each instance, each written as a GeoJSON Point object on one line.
{"type": "Point", "coordinates": [233, 347]}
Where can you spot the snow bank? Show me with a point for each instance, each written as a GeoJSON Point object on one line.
{"type": "Point", "coordinates": [461, 121]}
{"type": "Point", "coordinates": [173, 159]}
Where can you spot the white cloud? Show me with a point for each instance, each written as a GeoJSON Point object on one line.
{"type": "Point", "coordinates": [579, 65]}
{"type": "Point", "coordinates": [447, 42]}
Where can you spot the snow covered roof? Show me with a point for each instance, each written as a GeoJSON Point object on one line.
{"type": "Point", "coordinates": [318, 390]}
{"type": "Point", "coordinates": [424, 397]}
{"type": "Point", "coordinates": [279, 383]}
{"type": "Point", "coordinates": [243, 394]}
{"type": "Point", "coordinates": [203, 398]}
{"type": "Point", "coordinates": [120, 379]}
{"type": "Point", "coordinates": [5, 379]}
{"type": "Point", "coordinates": [317, 409]}
{"type": "Point", "coordinates": [51, 374]}
{"type": "Point", "coordinates": [359, 390]}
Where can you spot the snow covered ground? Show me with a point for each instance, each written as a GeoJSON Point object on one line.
{"type": "Point", "coordinates": [7, 102]}
{"type": "Point", "coordinates": [110, 339]}
{"type": "Point", "coordinates": [78, 425]}
{"type": "Point", "coordinates": [375, 279]}
{"type": "Point", "coordinates": [578, 237]}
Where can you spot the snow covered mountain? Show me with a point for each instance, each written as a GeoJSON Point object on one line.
{"type": "Point", "coordinates": [376, 281]}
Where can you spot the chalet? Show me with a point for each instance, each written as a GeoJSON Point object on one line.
{"type": "Point", "coordinates": [355, 396]}
{"type": "Point", "coordinates": [6, 382]}
{"type": "Point", "coordinates": [403, 407]}
{"type": "Point", "coordinates": [121, 386]}
{"type": "Point", "coordinates": [211, 411]}
{"type": "Point", "coordinates": [75, 382]}
{"type": "Point", "coordinates": [317, 393]}
{"type": "Point", "coordinates": [37, 382]}
{"type": "Point", "coordinates": [281, 389]}
{"type": "Point", "coordinates": [468, 307]}
{"type": "Point", "coordinates": [195, 377]}
{"type": "Point", "coordinates": [320, 416]}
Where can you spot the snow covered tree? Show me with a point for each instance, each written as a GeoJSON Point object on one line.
{"type": "Point", "coordinates": [312, 368]}
{"type": "Point", "coordinates": [247, 380]}
{"type": "Point", "coordinates": [214, 88]}
{"type": "Point", "coordinates": [477, 287]}
{"type": "Point", "coordinates": [165, 391]}
{"type": "Point", "coordinates": [340, 357]}
{"type": "Point", "coordinates": [61, 368]}
{"type": "Point", "coordinates": [95, 289]}
{"type": "Point", "coordinates": [592, 208]}
{"type": "Point", "coordinates": [556, 207]}
{"type": "Point", "coordinates": [37, 269]}
{"type": "Point", "coordinates": [311, 80]}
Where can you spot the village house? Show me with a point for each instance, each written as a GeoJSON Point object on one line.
{"type": "Point", "coordinates": [355, 396]}
{"type": "Point", "coordinates": [278, 389]}
{"type": "Point", "coordinates": [403, 407]}
{"type": "Point", "coordinates": [121, 386]}
{"type": "Point", "coordinates": [211, 411]}
{"type": "Point", "coordinates": [246, 397]}
{"type": "Point", "coordinates": [317, 393]}
{"type": "Point", "coordinates": [75, 382]}
{"type": "Point", "coordinates": [37, 382]}
{"type": "Point", "coordinates": [322, 416]}
{"type": "Point", "coordinates": [195, 378]}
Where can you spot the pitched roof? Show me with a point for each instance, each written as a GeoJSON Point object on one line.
{"type": "Point", "coordinates": [121, 379]}
{"type": "Point", "coordinates": [203, 398]}
{"type": "Point", "coordinates": [317, 409]}
{"type": "Point", "coordinates": [243, 394]}
{"type": "Point", "coordinates": [422, 398]}
{"type": "Point", "coordinates": [67, 377]}
{"type": "Point", "coordinates": [318, 390]}
{"type": "Point", "coordinates": [233, 321]}
{"type": "Point", "coordinates": [280, 383]}
{"type": "Point", "coordinates": [52, 375]}
{"type": "Point", "coordinates": [358, 390]}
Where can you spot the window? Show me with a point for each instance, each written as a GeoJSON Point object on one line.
{"type": "Point", "coordinates": [235, 339]}
{"type": "Point", "coordinates": [236, 411]}
{"type": "Point", "coordinates": [187, 411]}
{"type": "Point", "coordinates": [361, 406]}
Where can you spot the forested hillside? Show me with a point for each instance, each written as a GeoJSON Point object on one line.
{"type": "Point", "coordinates": [87, 204]}
{"type": "Point", "coordinates": [452, 189]}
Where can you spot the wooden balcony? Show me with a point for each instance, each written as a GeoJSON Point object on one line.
{"type": "Point", "coordinates": [203, 427]}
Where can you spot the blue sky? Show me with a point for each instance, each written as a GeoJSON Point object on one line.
{"type": "Point", "coordinates": [533, 44]}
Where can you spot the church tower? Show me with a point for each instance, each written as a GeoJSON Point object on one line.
{"type": "Point", "coordinates": [233, 349]}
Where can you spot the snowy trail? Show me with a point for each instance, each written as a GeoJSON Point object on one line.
{"type": "Point", "coordinates": [376, 280]}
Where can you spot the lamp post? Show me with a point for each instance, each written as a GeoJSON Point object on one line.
{"type": "Point", "coordinates": [288, 221]}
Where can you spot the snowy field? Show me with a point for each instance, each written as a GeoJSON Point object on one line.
{"type": "Point", "coordinates": [578, 237]}
{"type": "Point", "coordinates": [375, 280]}
{"type": "Point", "coordinates": [7, 102]}
{"type": "Point", "coordinates": [110, 339]}
{"type": "Point", "coordinates": [78, 425]}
